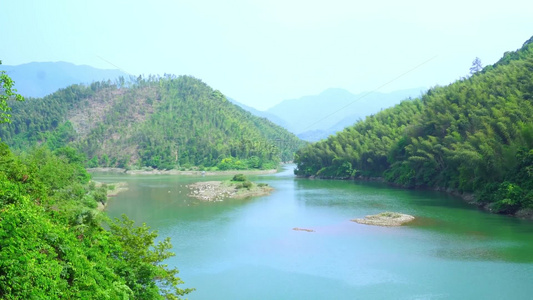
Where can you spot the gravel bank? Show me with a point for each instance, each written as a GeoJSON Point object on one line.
{"type": "Point", "coordinates": [220, 190]}
{"type": "Point", "coordinates": [385, 219]}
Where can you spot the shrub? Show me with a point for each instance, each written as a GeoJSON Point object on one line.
{"type": "Point", "coordinates": [239, 177]}
{"type": "Point", "coordinates": [100, 195]}
{"type": "Point", "coordinates": [247, 184]}
{"type": "Point", "coordinates": [90, 202]}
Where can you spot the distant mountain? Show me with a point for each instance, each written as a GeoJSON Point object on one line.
{"type": "Point", "coordinates": [157, 122]}
{"type": "Point", "coordinates": [318, 116]}
{"type": "Point", "coordinates": [38, 79]}
{"type": "Point", "coordinates": [262, 114]}
{"type": "Point", "coordinates": [315, 135]}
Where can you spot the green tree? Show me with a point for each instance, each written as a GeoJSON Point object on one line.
{"type": "Point", "coordinates": [7, 93]}
{"type": "Point", "coordinates": [476, 66]}
{"type": "Point", "coordinates": [142, 265]}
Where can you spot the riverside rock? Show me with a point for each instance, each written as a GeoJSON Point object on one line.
{"type": "Point", "coordinates": [385, 219]}
{"type": "Point", "coordinates": [220, 190]}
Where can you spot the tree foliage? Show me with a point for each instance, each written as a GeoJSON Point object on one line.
{"type": "Point", "coordinates": [476, 66]}
{"type": "Point", "coordinates": [160, 122]}
{"type": "Point", "coordinates": [475, 136]}
{"type": "Point", "coordinates": [53, 243]}
{"type": "Point", "coordinates": [52, 239]}
{"type": "Point", "coordinates": [7, 93]}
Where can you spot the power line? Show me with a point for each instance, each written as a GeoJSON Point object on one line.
{"type": "Point", "coordinates": [119, 68]}
{"type": "Point", "coordinates": [368, 93]}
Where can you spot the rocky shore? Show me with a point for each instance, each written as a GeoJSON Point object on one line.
{"type": "Point", "coordinates": [112, 189]}
{"type": "Point", "coordinates": [385, 219]}
{"type": "Point", "coordinates": [178, 172]}
{"type": "Point", "coordinates": [220, 190]}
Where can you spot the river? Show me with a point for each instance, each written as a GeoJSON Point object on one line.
{"type": "Point", "coordinates": [246, 249]}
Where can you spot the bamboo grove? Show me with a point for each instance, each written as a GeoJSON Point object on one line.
{"type": "Point", "coordinates": [473, 136]}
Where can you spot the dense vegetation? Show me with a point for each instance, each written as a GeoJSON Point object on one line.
{"type": "Point", "coordinates": [53, 245]}
{"type": "Point", "coordinates": [7, 92]}
{"type": "Point", "coordinates": [169, 122]}
{"type": "Point", "coordinates": [473, 136]}
{"type": "Point", "coordinates": [52, 241]}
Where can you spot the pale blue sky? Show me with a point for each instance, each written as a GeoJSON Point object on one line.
{"type": "Point", "coordinates": [262, 52]}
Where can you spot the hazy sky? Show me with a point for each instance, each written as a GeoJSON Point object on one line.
{"type": "Point", "coordinates": [262, 52]}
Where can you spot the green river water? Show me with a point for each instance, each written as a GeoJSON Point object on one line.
{"type": "Point", "coordinates": [246, 249]}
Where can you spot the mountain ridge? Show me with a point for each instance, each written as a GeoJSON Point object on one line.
{"type": "Point", "coordinates": [333, 109]}
{"type": "Point", "coordinates": [38, 79]}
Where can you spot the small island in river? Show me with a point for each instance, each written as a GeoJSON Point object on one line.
{"type": "Point", "coordinates": [385, 219]}
{"type": "Point", "coordinates": [237, 188]}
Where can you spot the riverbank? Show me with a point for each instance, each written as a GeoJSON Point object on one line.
{"type": "Point", "coordinates": [178, 172]}
{"type": "Point", "coordinates": [469, 198]}
{"type": "Point", "coordinates": [220, 190]}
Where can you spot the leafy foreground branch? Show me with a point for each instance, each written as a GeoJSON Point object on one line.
{"type": "Point", "coordinates": [53, 245]}
{"type": "Point", "coordinates": [136, 243]}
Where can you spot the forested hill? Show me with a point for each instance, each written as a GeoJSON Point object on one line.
{"type": "Point", "coordinates": [473, 136]}
{"type": "Point", "coordinates": [156, 122]}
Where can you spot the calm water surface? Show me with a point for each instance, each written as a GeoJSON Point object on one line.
{"type": "Point", "coordinates": [246, 249]}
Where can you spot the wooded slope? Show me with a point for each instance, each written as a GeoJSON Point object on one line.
{"type": "Point", "coordinates": [475, 135]}
{"type": "Point", "coordinates": [156, 122]}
